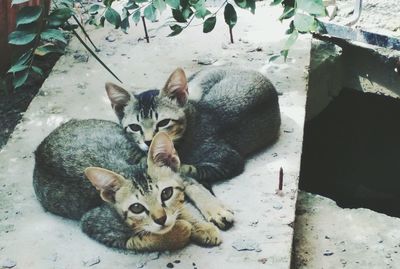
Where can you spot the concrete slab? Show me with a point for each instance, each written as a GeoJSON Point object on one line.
{"type": "Point", "coordinates": [32, 238]}
{"type": "Point", "coordinates": [331, 237]}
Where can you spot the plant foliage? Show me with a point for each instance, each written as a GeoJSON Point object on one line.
{"type": "Point", "coordinates": [42, 34]}
{"type": "Point", "coordinates": [304, 19]}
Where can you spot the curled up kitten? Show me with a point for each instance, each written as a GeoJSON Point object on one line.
{"type": "Point", "coordinates": [146, 211]}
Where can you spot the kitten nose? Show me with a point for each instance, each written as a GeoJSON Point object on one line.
{"type": "Point", "coordinates": [148, 142]}
{"type": "Point", "coordinates": [161, 220]}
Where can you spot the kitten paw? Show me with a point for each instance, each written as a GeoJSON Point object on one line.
{"type": "Point", "coordinates": [221, 217]}
{"type": "Point", "coordinates": [206, 234]}
{"type": "Point", "coordinates": [180, 235]}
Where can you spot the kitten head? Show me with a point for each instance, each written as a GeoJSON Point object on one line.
{"type": "Point", "coordinates": [143, 115]}
{"type": "Point", "coordinates": [148, 201]}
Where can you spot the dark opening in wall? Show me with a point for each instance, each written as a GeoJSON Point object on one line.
{"type": "Point", "coordinates": [351, 152]}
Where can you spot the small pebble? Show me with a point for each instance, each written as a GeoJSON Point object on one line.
{"type": "Point", "coordinates": [170, 265]}
{"type": "Point", "coordinates": [263, 260]}
{"type": "Point", "coordinates": [140, 264]}
{"type": "Point", "coordinates": [154, 255]}
{"type": "Point", "coordinates": [110, 38]}
{"type": "Point", "coordinates": [277, 206]}
{"type": "Point", "coordinates": [8, 263]}
{"type": "Point", "coordinates": [91, 261]}
{"type": "Point", "coordinates": [177, 261]}
{"type": "Point", "coordinates": [328, 253]}
{"type": "Point", "coordinates": [244, 244]}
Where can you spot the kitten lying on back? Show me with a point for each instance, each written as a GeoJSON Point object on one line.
{"type": "Point", "coordinates": [145, 207]}
{"type": "Point", "coordinates": [228, 115]}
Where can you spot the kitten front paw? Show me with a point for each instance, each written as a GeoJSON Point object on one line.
{"type": "Point", "coordinates": [206, 234]}
{"type": "Point", "coordinates": [220, 216]}
{"type": "Point", "coordinates": [179, 236]}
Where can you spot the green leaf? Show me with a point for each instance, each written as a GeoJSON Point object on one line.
{"type": "Point", "coordinates": [62, 13]}
{"type": "Point", "coordinates": [173, 3]}
{"type": "Point", "coordinates": [251, 4]}
{"type": "Point", "coordinates": [93, 9]}
{"type": "Point", "coordinates": [188, 12]}
{"type": "Point", "coordinates": [102, 20]}
{"type": "Point", "coordinates": [209, 24]}
{"type": "Point", "coordinates": [304, 23]}
{"type": "Point", "coordinates": [284, 53]}
{"type": "Point", "coordinates": [48, 48]}
{"type": "Point", "coordinates": [201, 10]}
{"type": "Point", "coordinates": [53, 34]}
{"type": "Point", "coordinates": [290, 41]}
{"type": "Point", "coordinates": [141, 1]}
{"type": "Point", "coordinates": [24, 58]}
{"type": "Point", "coordinates": [202, 13]}
{"type": "Point", "coordinates": [16, 2]}
{"type": "Point", "coordinates": [28, 15]}
{"type": "Point", "coordinates": [136, 16]}
{"type": "Point", "coordinates": [29, 28]}
{"type": "Point", "coordinates": [108, 3]}
{"type": "Point", "coordinates": [241, 3]}
{"type": "Point", "coordinates": [113, 17]}
{"type": "Point", "coordinates": [125, 24]}
{"type": "Point", "coordinates": [59, 16]}
{"type": "Point", "coordinates": [150, 13]}
{"type": "Point", "coordinates": [160, 5]}
{"type": "Point", "coordinates": [69, 27]}
{"type": "Point", "coordinates": [37, 70]}
{"type": "Point", "coordinates": [17, 68]}
{"type": "Point", "coordinates": [131, 5]}
{"type": "Point", "coordinates": [291, 28]}
{"type": "Point", "coordinates": [276, 2]}
{"type": "Point", "coordinates": [178, 16]}
{"type": "Point", "coordinates": [288, 12]}
{"type": "Point", "coordinates": [230, 15]}
{"type": "Point", "coordinates": [274, 57]}
{"type": "Point", "coordinates": [67, 3]}
{"type": "Point", "coordinates": [176, 29]}
{"type": "Point", "coordinates": [20, 78]}
{"type": "Point", "coordinates": [20, 38]}
{"type": "Point", "coordinates": [314, 7]}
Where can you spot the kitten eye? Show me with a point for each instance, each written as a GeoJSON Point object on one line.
{"type": "Point", "coordinates": [137, 208]}
{"type": "Point", "coordinates": [163, 123]}
{"type": "Point", "coordinates": [166, 193]}
{"type": "Point", "coordinates": [135, 127]}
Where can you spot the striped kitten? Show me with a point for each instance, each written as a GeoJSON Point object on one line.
{"type": "Point", "coordinates": [228, 115]}
{"type": "Point", "coordinates": [143, 206]}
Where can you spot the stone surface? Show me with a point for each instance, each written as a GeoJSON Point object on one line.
{"type": "Point", "coordinates": [358, 238]}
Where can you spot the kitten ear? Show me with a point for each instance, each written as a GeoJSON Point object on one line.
{"type": "Point", "coordinates": [117, 95]}
{"type": "Point", "coordinates": [106, 181]}
{"type": "Point", "coordinates": [162, 152]}
{"type": "Point", "coordinates": [177, 86]}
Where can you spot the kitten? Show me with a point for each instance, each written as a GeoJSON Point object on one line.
{"type": "Point", "coordinates": [60, 160]}
{"type": "Point", "coordinates": [229, 114]}
{"type": "Point", "coordinates": [145, 206]}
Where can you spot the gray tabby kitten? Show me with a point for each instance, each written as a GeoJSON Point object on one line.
{"type": "Point", "coordinates": [228, 115]}
{"type": "Point", "coordinates": [144, 206]}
